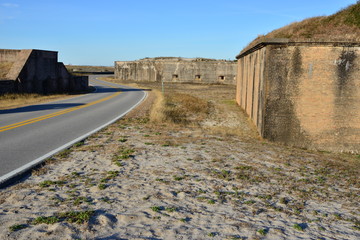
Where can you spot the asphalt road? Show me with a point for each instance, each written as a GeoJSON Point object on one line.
{"type": "Point", "coordinates": [29, 135]}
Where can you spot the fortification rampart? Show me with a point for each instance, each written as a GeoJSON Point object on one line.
{"type": "Point", "coordinates": [177, 70]}
{"type": "Point", "coordinates": [36, 71]}
{"type": "Point", "coordinates": [305, 94]}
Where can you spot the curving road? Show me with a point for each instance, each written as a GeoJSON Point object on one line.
{"type": "Point", "coordinates": [29, 135]}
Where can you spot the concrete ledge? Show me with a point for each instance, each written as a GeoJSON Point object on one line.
{"type": "Point", "coordinates": [285, 41]}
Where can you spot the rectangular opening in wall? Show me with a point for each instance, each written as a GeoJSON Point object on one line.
{"type": "Point", "coordinates": [221, 78]}
{"type": "Point", "coordinates": [198, 77]}
{"type": "Point", "coordinates": [175, 76]}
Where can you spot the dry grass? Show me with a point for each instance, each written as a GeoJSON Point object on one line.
{"type": "Point", "coordinates": [13, 100]}
{"type": "Point", "coordinates": [184, 109]}
{"type": "Point", "coordinates": [209, 106]}
{"type": "Point", "coordinates": [82, 70]}
{"type": "Point", "coordinates": [343, 25]}
{"type": "Point", "coordinates": [157, 110]}
{"type": "Point", "coordinates": [5, 68]}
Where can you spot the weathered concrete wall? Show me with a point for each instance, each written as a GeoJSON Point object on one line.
{"type": "Point", "coordinates": [6, 86]}
{"type": "Point", "coordinates": [8, 55]}
{"type": "Point", "coordinates": [250, 86]}
{"type": "Point", "coordinates": [36, 71]}
{"type": "Point", "coordinates": [40, 73]}
{"type": "Point", "coordinates": [177, 70]}
{"type": "Point", "coordinates": [305, 94]}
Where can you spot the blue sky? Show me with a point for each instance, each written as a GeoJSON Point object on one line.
{"type": "Point", "coordinates": [101, 32]}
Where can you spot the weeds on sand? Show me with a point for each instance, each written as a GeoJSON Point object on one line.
{"type": "Point", "coordinates": [201, 198]}
{"type": "Point", "coordinates": [49, 183]}
{"type": "Point", "coordinates": [123, 139]}
{"type": "Point", "coordinates": [79, 200]}
{"type": "Point", "coordinates": [75, 174]}
{"type": "Point", "coordinates": [249, 202]}
{"type": "Point", "coordinates": [185, 220]}
{"type": "Point", "coordinates": [162, 180]}
{"type": "Point", "coordinates": [157, 208]}
{"type": "Point", "coordinates": [262, 231]}
{"type": "Point", "coordinates": [171, 209]}
{"type": "Point", "coordinates": [357, 228]}
{"type": "Point", "coordinates": [45, 220]}
{"type": "Point", "coordinates": [79, 144]}
{"type": "Point", "coordinates": [105, 199]}
{"type": "Point", "coordinates": [236, 238]}
{"type": "Point", "coordinates": [110, 175]}
{"type": "Point", "coordinates": [17, 227]}
{"type": "Point", "coordinates": [146, 197]}
{"type": "Point", "coordinates": [223, 174]}
{"type": "Point", "coordinates": [284, 200]}
{"type": "Point", "coordinates": [212, 234]}
{"type": "Point", "coordinates": [178, 178]}
{"type": "Point", "coordinates": [298, 227]}
{"type": "Point", "coordinates": [71, 217]}
{"type": "Point", "coordinates": [123, 154]}
{"type": "Point", "coordinates": [77, 217]}
{"type": "Point", "coordinates": [64, 154]}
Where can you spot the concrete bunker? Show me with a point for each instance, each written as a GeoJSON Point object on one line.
{"type": "Point", "coordinates": [303, 93]}
{"type": "Point", "coordinates": [174, 69]}
{"type": "Point", "coordinates": [36, 71]}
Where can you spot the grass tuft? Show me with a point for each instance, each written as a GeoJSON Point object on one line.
{"type": "Point", "coordinates": [17, 227]}
{"type": "Point", "coordinates": [262, 231]}
{"type": "Point", "coordinates": [77, 217]}
{"type": "Point", "coordinates": [298, 227]}
{"type": "Point", "coordinates": [46, 220]}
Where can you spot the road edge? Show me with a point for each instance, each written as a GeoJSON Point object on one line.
{"type": "Point", "coordinates": [18, 173]}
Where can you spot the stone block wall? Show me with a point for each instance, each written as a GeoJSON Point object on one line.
{"type": "Point", "coordinates": [177, 70]}
{"type": "Point", "coordinates": [305, 94]}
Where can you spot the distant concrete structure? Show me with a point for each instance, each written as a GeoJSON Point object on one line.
{"type": "Point", "coordinates": [303, 93]}
{"type": "Point", "coordinates": [175, 69]}
{"type": "Point", "coordinates": [36, 71]}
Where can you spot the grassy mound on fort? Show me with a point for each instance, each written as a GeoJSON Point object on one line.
{"type": "Point", "coordinates": [343, 25]}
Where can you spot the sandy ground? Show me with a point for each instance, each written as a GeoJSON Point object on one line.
{"type": "Point", "coordinates": [141, 180]}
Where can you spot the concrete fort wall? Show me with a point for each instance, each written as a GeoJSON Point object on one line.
{"type": "Point", "coordinates": [36, 71]}
{"type": "Point", "coordinates": [40, 73]}
{"type": "Point", "coordinates": [177, 70]}
{"type": "Point", "coordinates": [305, 94]}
